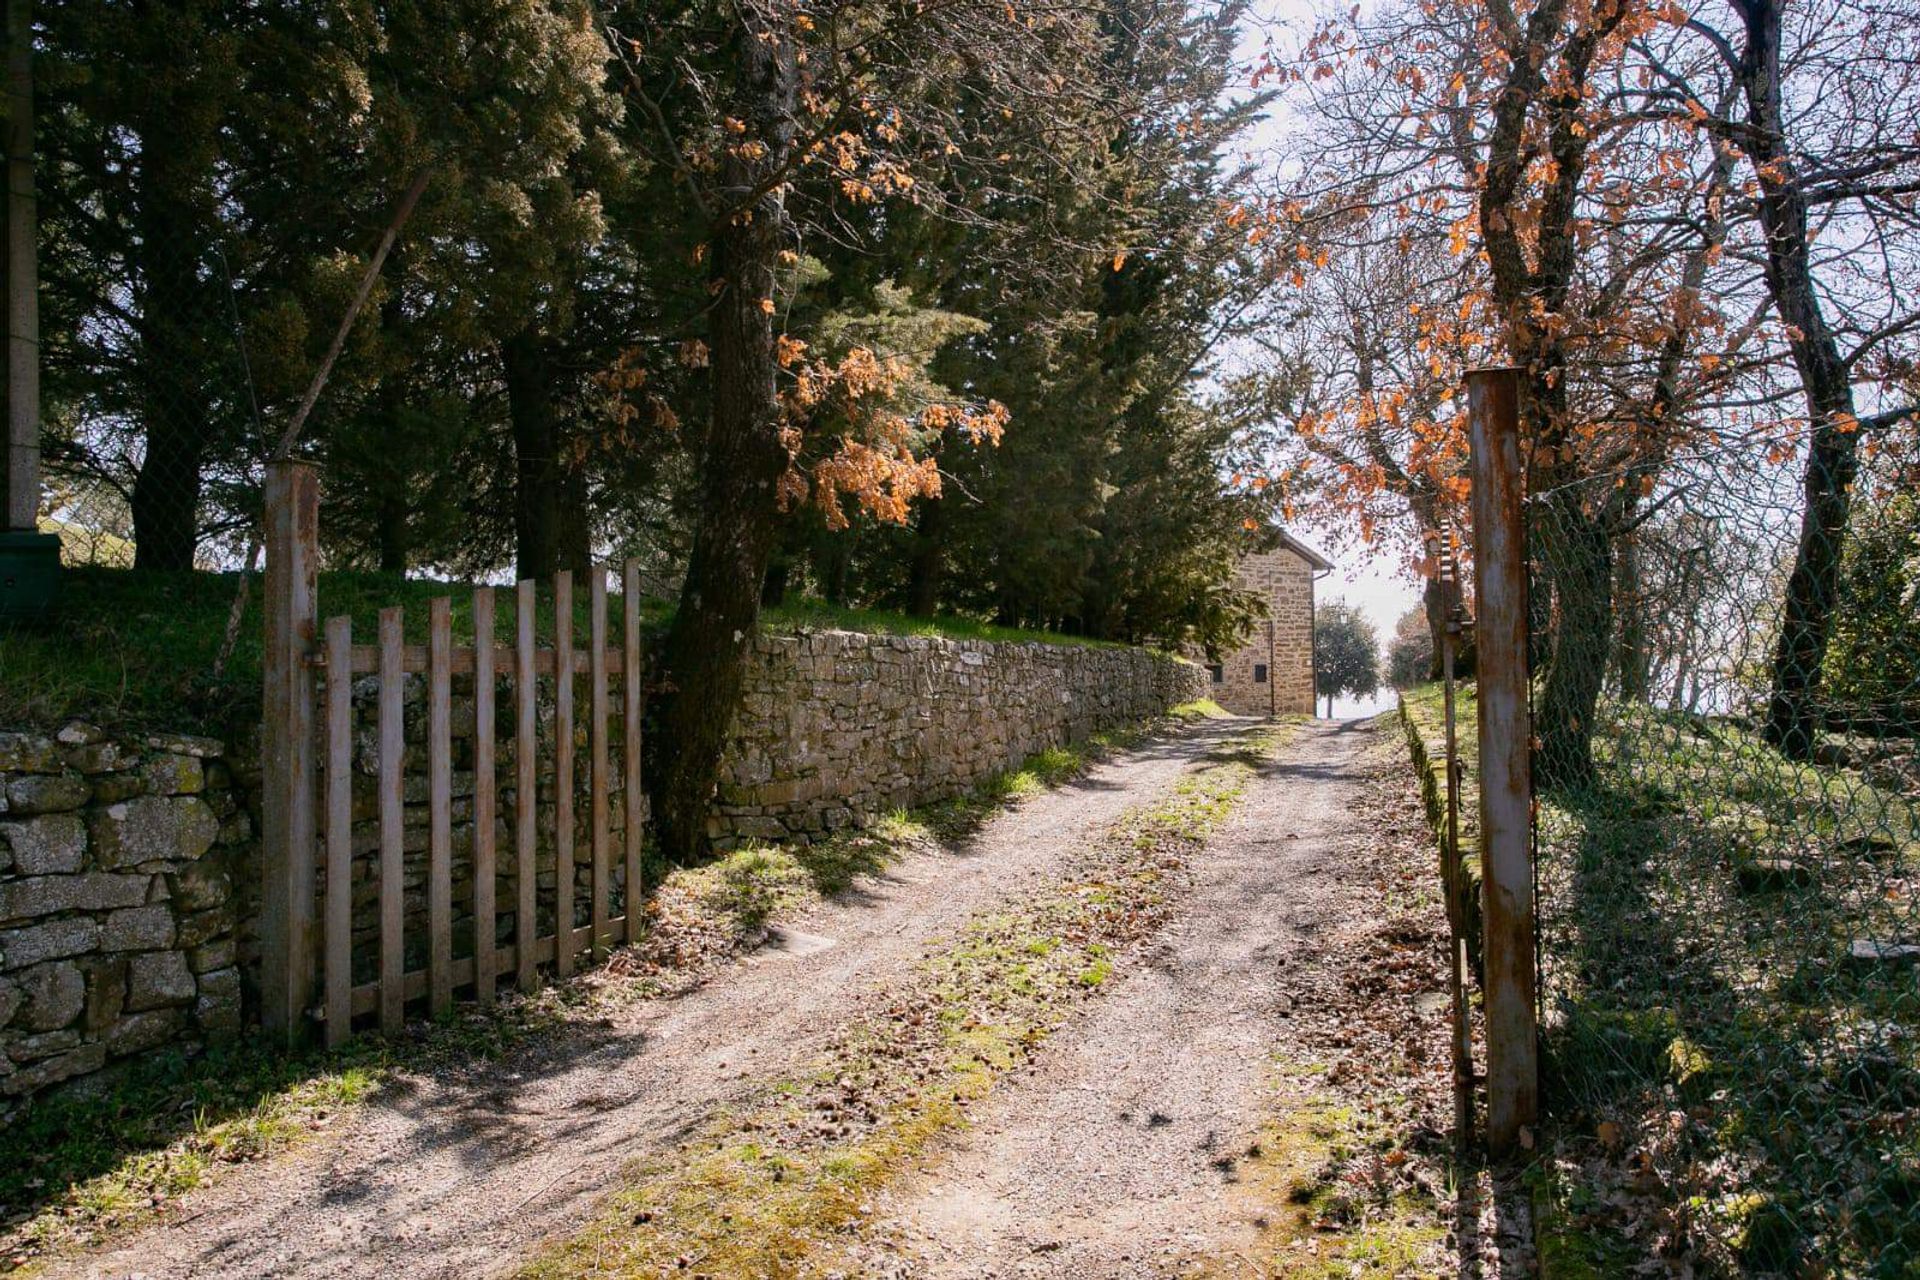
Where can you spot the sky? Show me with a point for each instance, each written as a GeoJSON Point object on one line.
{"type": "Point", "coordinates": [1371, 579]}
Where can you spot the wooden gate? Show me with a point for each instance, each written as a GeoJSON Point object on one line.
{"type": "Point", "coordinates": [309, 755]}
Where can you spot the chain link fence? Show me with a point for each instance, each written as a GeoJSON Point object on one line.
{"type": "Point", "coordinates": [152, 441]}
{"type": "Point", "coordinates": [1729, 940]}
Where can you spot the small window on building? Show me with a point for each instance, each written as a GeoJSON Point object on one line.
{"type": "Point", "coordinates": [1259, 673]}
{"type": "Point", "coordinates": [1217, 672]}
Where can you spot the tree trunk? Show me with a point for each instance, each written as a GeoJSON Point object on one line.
{"type": "Point", "coordinates": [773, 588]}
{"type": "Point", "coordinates": [1630, 646]}
{"type": "Point", "coordinates": [575, 541]}
{"type": "Point", "coordinates": [1578, 557]}
{"type": "Point", "coordinates": [166, 492]}
{"type": "Point", "coordinates": [1832, 459]}
{"type": "Point", "coordinates": [390, 531]}
{"type": "Point", "coordinates": [929, 554]}
{"type": "Point", "coordinates": [833, 563]}
{"type": "Point", "coordinates": [705, 652]}
{"type": "Point", "coordinates": [536, 463]}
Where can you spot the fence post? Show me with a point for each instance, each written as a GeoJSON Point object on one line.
{"type": "Point", "coordinates": [287, 750]}
{"type": "Point", "coordinates": [1506, 734]}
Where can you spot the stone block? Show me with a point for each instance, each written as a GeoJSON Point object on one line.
{"type": "Point", "coordinates": [56, 993]}
{"type": "Point", "coordinates": [11, 998]}
{"type": "Point", "coordinates": [202, 927]}
{"type": "Point", "coordinates": [218, 954]}
{"type": "Point", "coordinates": [48, 845]}
{"type": "Point", "coordinates": [169, 774]}
{"type": "Point", "coordinates": [106, 991]}
{"type": "Point", "coordinates": [100, 757]}
{"type": "Point", "coordinates": [88, 891]}
{"type": "Point", "coordinates": [53, 940]}
{"type": "Point", "coordinates": [138, 929]}
{"type": "Point", "coordinates": [152, 829]}
{"type": "Point", "coordinates": [112, 788]}
{"type": "Point", "coordinates": [138, 1031]}
{"type": "Point", "coordinates": [186, 744]}
{"type": "Point", "coordinates": [44, 1045]}
{"type": "Point", "coordinates": [79, 733]}
{"type": "Point", "coordinates": [76, 1062]}
{"type": "Point", "coordinates": [201, 885]}
{"type": "Point", "coordinates": [28, 753]}
{"type": "Point", "coordinates": [46, 793]}
{"type": "Point", "coordinates": [217, 1008]}
{"type": "Point", "coordinates": [159, 978]}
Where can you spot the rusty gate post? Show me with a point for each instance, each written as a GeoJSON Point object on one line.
{"type": "Point", "coordinates": [1506, 733]}
{"type": "Point", "coordinates": [287, 748]}
{"type": "Point", "coordinates": [1447, 573]}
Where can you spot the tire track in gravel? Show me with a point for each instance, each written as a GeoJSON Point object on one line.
{"type": "Point", "coordinates": [1116, 1157]}
{"type": "Point", "coordinates": [457, 1174]}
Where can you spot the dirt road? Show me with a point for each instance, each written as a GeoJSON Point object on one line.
{"type": "Point", "coordinates": [1119, 1157]}
{"type": "Point", "coordinates": [460, 1175]}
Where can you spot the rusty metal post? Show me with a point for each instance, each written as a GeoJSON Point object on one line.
{"type": "Point", "coordinates": [1446, 570]}
{"type": "Point", "coordinates": [1506, 733]}
{"type": "Point", "coordinates": [288, 826]}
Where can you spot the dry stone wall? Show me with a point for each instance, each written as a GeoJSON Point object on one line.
{"type": "Point", "coordinates": [130, 868]}
{"type": "Point", "coordinates": [837, 728]}
{"type": "Point", "coordinates": [117, 910]}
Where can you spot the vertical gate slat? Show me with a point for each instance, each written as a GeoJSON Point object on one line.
{"type": "Point", "coordinates": [339, 918]}
{"type": "Point", "coordinates": [439, 805]}
{"type": "Point", "coordinates": [526, 929]}
{"type": "Point", "coordinates": [630, 739]}
{"type": "Point", "coordinates": [484, 803]}
{"type": "Point", "coordinates": [392, 817]}
{"type": "Point", "coordinates": [597, 762]}
{"type": "Point", "coordinates": [563, 772]}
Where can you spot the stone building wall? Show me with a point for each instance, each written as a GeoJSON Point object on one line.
{"type": "Point", "coordinates": [117, 913]}
{"type": "Point", "coordinates": [838, 728]}
{"type": "Point", "coordinates": [1282, 643]}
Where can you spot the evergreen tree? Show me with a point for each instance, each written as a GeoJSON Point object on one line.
{"type": "Point", "coordinates": [1346, 654]}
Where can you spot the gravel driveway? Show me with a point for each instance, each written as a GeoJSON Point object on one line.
{"type": "Point", "coordinates": [461, 1175]}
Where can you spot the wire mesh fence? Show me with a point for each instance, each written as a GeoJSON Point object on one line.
{"type": "Point", "coordinates": [1729, 940]}
{"type": "Point", "coordinates": [152, 439]}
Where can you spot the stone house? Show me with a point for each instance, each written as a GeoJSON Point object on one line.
{"type": "Point", "coordinates": [1272, 674]}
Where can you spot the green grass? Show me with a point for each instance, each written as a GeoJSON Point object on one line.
{"type": "Point", "coordinates": [136, 650]}
{"type": "Point", "coordinates": [1423, 717]}
{"type": "Point", "coordinates": [1712, 1013]}
{"type": "Point", "coordinates": [818, 615]}
{"type": "Point", "coordinates": [113, 1155]}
